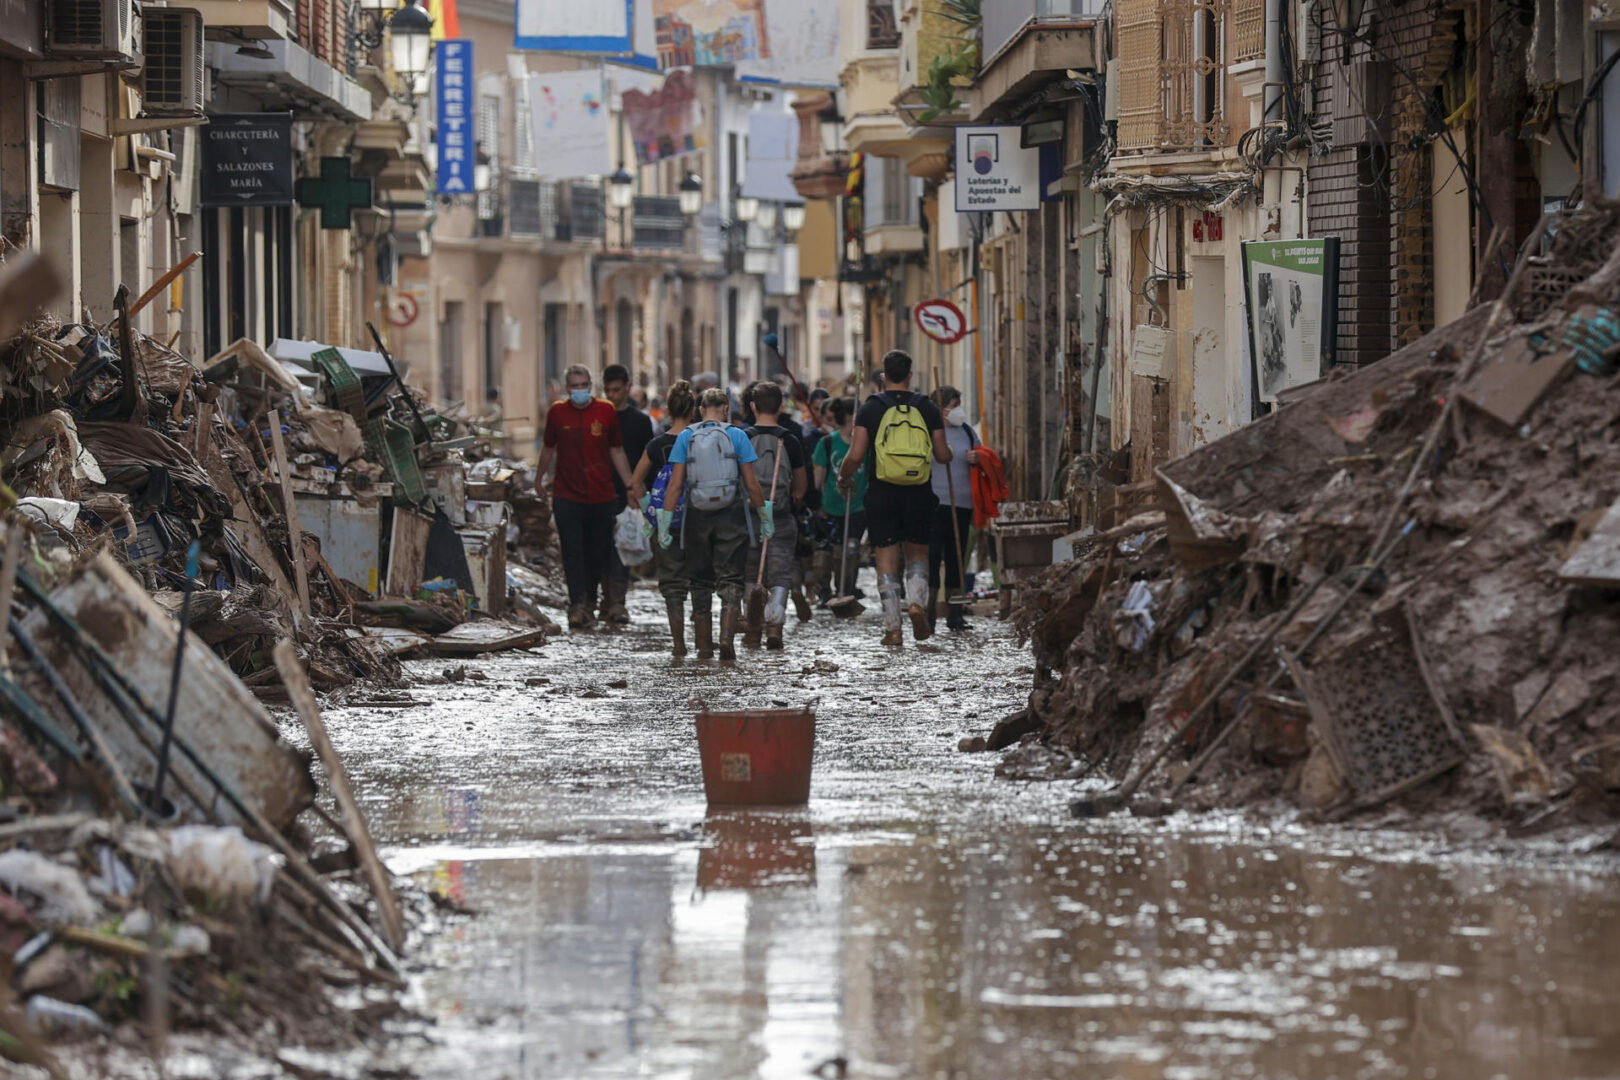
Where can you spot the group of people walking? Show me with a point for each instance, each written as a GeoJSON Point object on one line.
{"type": "Point", "coordinates": [761, 510]}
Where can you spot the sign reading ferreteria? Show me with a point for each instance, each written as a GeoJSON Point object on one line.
{"type": "Point", "coordinates": [247, 160]}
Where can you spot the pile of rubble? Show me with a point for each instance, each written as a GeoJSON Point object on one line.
{"type": "Point", "coordinates": [1399, 590]}
{"type": "Point", "coordinates": [182, 542]}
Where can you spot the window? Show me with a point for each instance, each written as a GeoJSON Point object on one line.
{"type": "Point", "coordinates": [553, 347]}
{"type": "Point", "coordinates": [489, 142]}
{"type": "Point", "coordinates": [450, 353]}
{"type": "Point", "coordinates": [494, 345]}
{"type": "Point", "coordinates": [1172, 68]}
{"type": "Point", "coordinates": [882, 32]}
{"type": "Point", "coordinates": [524, 197]}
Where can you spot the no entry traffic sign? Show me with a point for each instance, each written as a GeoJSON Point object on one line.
{"type": "Point", "coordinates": [941, 320]}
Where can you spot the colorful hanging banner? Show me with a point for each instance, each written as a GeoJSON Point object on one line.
{"type": "Point", "coordinates": [455, 135]}
{"type": "Point", "coordinates": [571, 135]}
{"type": "Point", "coordinates": [446, 19]}
{"type": "Point", "coordinates": [667, 122]}
{"type": "Point", "coordinates": [708, 32]}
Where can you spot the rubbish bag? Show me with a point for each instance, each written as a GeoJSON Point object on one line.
{"type": "Point", "coordinates": [632, 537]}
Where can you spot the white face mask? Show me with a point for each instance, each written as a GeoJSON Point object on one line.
{"type": "Point", "coordinates": [956, 417]}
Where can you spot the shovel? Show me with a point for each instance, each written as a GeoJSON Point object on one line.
{"type": "Point", "coordinates": [956, 537]}
{"type": "Point", "coordinates": [756, 599]}
{"type": "Point", "coordinates": [845, 607]}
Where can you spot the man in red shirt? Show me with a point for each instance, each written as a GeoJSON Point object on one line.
{"type": "Point", "coordinates": [582, 436]}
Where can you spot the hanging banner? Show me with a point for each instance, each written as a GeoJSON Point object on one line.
{"type": "Point", "coordinates": [773, 151]}
{"type": "Point", "coordinates": [1292, 291]}
{"type": "Point", "coordinates": [591, 26]}
{"type": "Point", "coordinates": [570, 118]}
{"type": "Point", "coordinates": [803, 36]}
{"type": "Point", "coordinates": [707, 32]}
{"type": "Point", "coordinates": [456, 137]}
{"type": "Point", "coordinates": [666, 122]}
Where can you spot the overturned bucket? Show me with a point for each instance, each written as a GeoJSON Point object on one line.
{"type": "Point", "coordinates": [758, 757]}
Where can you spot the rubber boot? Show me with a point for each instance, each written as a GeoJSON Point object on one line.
{"type": "Point", "coordinates": [889, 592]}
{"type": "Point", "coordinates": [580, 617]}
{"type": "Point", "coordinates": [756, 617]}
{"type": "Point", "coordinates": [677, 627]}
{"type": "Point", "coordinates": [821, 569]}
{"type": "Point", "coordinates": [703, 634]}
{"type": "Point", "coordinates": [956, 617]}
{"type": "Point", "coordinates": [730, 616]}
{"type": "Point", "coordinates": [775, 616]}
{"type": "Point", "coordinates": [614, 609]}
{"type": "Point", "coordinates": [917, 601]}
{"type": "Point", "coordinates": [801, 604]}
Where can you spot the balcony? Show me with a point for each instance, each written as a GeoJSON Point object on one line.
{"type": "Point", "coordinates": [553, 211]}
{"type": "Point", "coordinates": [260, 19]}
{"type": "Point", "coordinates": [1029, 44]}
{"type": "Point", "coordinates": [657, 223]}
{"type": "Point", "coordinates": [291, 77]}
{"type": "Point", "coordinates": [871, 125]}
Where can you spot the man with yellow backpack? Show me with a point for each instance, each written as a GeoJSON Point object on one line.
{"type": "Point", "coordinates": [905, 435]}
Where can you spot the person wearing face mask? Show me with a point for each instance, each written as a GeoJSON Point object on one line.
{"type": "Point", "coordinates": [952, 513]}
{"type": "Point", "coordinates": [582, 437]}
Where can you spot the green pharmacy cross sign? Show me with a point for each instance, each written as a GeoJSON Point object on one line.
{"type": "Point", "coordinates": [335, 192]}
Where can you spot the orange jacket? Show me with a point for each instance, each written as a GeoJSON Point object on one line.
{"type": "Point", "coordinates": [989, 487]}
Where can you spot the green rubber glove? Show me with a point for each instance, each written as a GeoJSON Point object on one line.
{"type": "Point", "coordinates": [646, 500]}
{"type": "Point", "coordinates": [767, 520]}
{"type": "Point", "coordinates": [666, 518]}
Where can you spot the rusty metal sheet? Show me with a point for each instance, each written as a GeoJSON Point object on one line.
{"type": "Point", "coordinates": [1378, 713]}
{"type": "Point", "coordinates": [350, 535]}
{"type": "Point", "coordinates": [216, 713]}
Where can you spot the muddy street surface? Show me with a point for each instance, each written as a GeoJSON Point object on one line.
{"type": "Point", "coordinates": [921, 918]}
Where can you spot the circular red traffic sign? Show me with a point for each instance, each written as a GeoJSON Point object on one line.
{"type": "Point", "coordinates": [941, 320]}
{"type": "Point", "coordinates": [403, 309]}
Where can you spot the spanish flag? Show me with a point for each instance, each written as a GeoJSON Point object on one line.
{"type": "Point", "coordinates": [446, 21]}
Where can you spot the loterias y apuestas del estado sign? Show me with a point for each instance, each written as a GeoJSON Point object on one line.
{"type": "Point", "coordinates": [247, 159]}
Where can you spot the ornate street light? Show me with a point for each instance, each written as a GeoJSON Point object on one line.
{"type": "Point", "coordinates": [375, 12]}
{"type": "Point", "coordinates": [691, 195]}
{"type": "Point", "coordinates": [765, 216]}
{"type": "Point", "coordinates": [621, 188]}
{"type": "Point", "coordinates": [410, 42]}
{"type": "Point", "coordinates": [793, 217]}
{"type": "Point", "coordinates": [747, 207]}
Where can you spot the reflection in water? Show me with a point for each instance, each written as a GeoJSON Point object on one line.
{"type": "Point", "coordinates": [922, 920]}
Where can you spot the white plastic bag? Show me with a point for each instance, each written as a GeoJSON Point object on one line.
{"type": "Point", "coordinates": [630, 536]}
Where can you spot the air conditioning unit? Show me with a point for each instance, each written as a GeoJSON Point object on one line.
{"type": "Point", "coordinates": [90, 30]}
{"type": "Point", "coordinates": [172, 81]}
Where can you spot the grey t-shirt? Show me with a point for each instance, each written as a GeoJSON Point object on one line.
{"type": "Point", "coordinates": [960, 440]}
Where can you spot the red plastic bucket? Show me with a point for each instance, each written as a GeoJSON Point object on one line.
{"type": "Point", "coordinates": [759, 758]}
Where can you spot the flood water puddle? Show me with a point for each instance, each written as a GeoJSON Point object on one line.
{"type": "Point", "coordinates": [920, 918]}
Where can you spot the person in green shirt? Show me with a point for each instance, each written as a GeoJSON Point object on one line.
{"type": "Point", "coordinates": [829, 455]}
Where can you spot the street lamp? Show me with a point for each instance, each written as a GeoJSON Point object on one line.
{"type": "Point", "coordinates": [691, 195]}
{"type": "Point", "coordinates": [621, 188]}
{"type": "Point", "coordinates": [369, 34]}
{"type": "Point", "coordinates": [765, 216]}
{"type": "Point", "coordinates": [747, 208]}
{"type": "Point", "coordinates": [410, 34]}
{"type": "Point", "coordinates": [793, 217]}
{"type": "Point", "coordinates": [482, 172]}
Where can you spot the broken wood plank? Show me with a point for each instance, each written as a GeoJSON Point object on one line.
{"type": "Point", "coordinates": [1512, 383]}
{"type": "Point", "coordinates": [477, 638]}
{"type": "Point", "coordinates": [244, 521]}
{"type": "Point", "coordinates": [289, 505]}
{"type": "Point", "coordinates": [1597, 561]}
{"type": "Point", "coordinates": [354, 822]}
{"type": "Point", "coordinates": [399, 641]}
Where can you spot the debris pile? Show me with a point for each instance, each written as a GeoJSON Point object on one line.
{"type": "Point", "coordinates": [1403, 584]}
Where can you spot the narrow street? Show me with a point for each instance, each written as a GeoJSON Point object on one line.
{"type": "Point", "coordinates": [922, 918]}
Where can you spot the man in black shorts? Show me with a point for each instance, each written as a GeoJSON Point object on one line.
{"type": "Point", "coordinates": [900, 429]}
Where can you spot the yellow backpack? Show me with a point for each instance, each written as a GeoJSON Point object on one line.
{"type": "Point", "coordinates": [905, 449]}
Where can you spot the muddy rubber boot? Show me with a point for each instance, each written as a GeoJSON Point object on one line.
{"type": "Point", "coordinates": [956, 617]}
{"type": "Point", "coordinates": [801, 604]}
{"type": "Point", "coordinates": [614, 609]}
{"type": "Point", "coordinates": [922, 628]}
{"type": "Point", "coordinates": [889, 594]}
{"type": "Point", "coordinates": [580, 618]}
{"type": "Point", "coordinates": [703, 634]}
{"type": "Point", "coordinates": [755, 621]}
{"type": "Point", "coordinates": [730, 616]}
{"type": "Point", "coordinates": [677, 628]}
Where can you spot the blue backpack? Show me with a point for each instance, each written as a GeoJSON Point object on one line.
{"type": "Point", "coordinates": [660, 487]}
